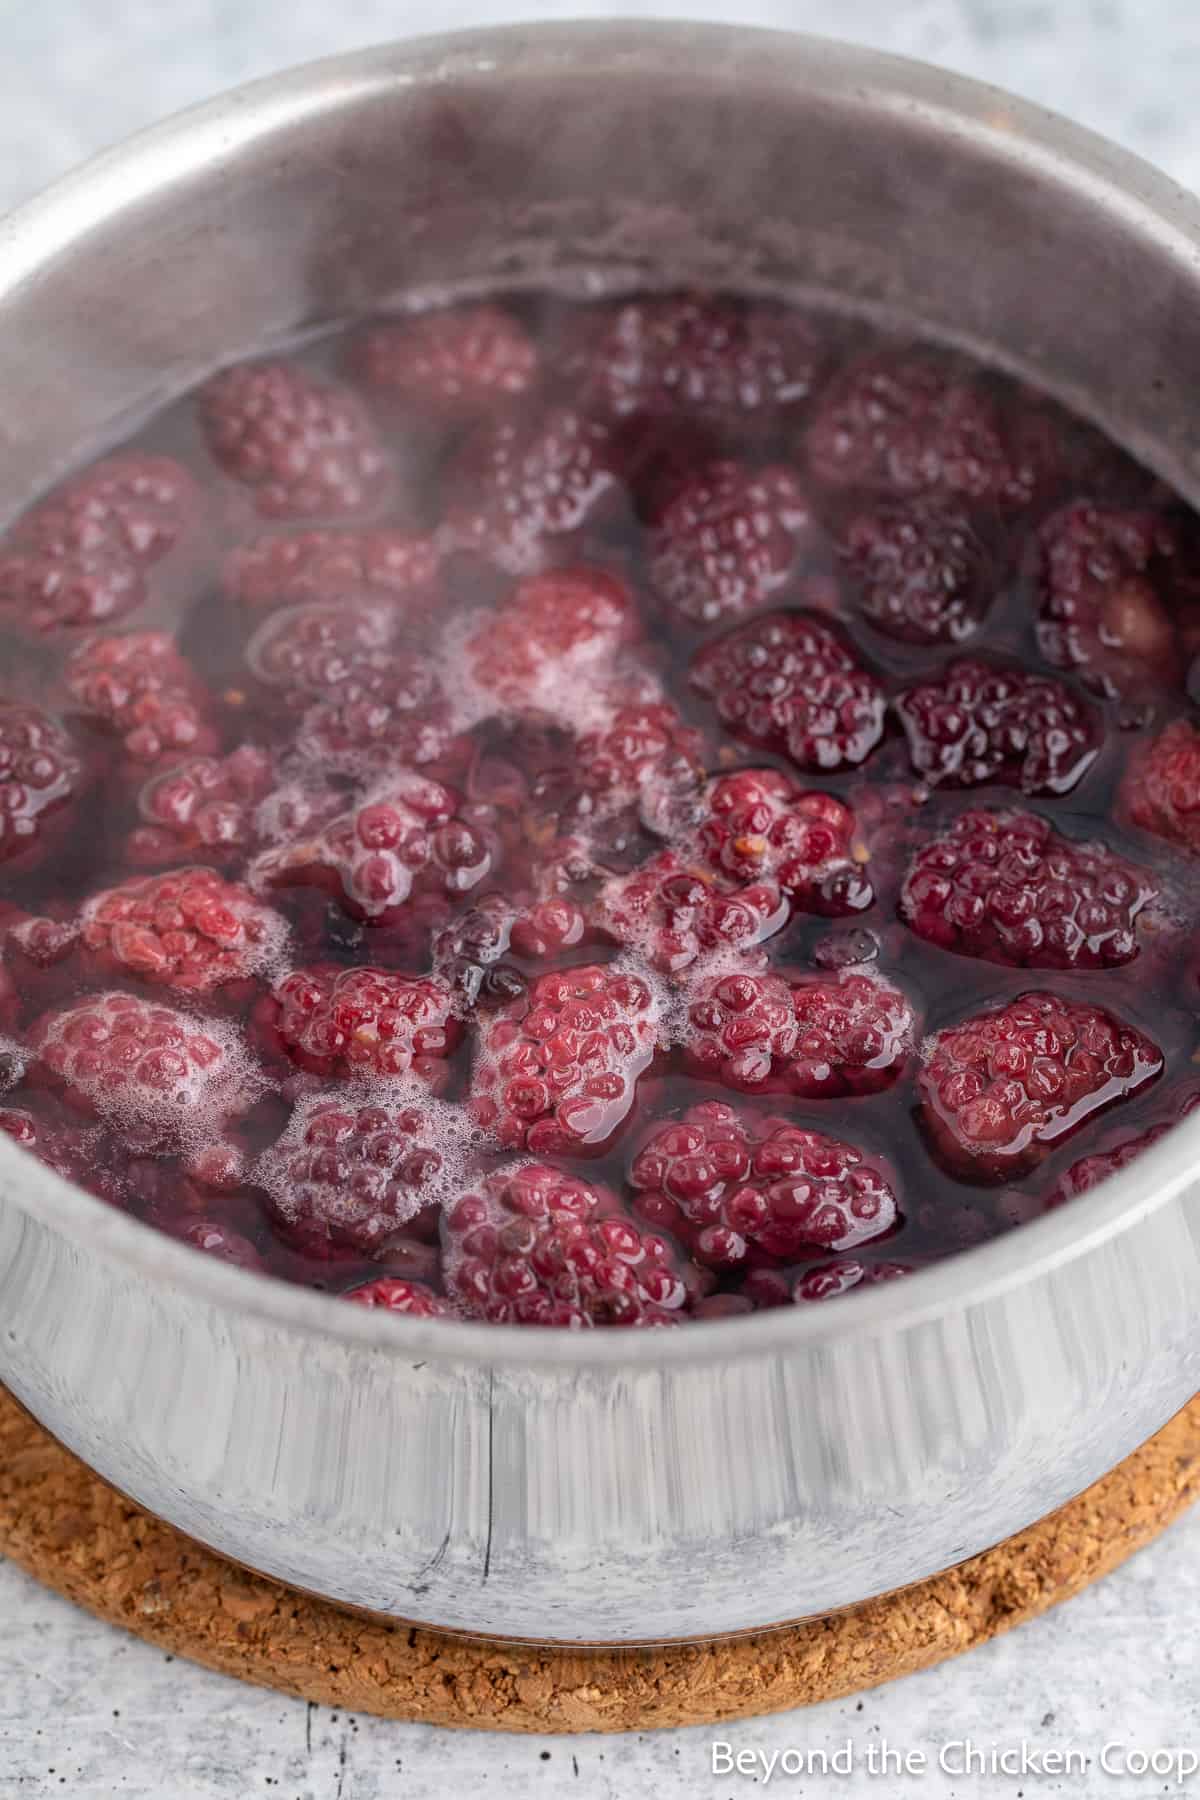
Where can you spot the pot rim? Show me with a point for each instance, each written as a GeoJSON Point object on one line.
{"type": "Point", "coordinates": [1127, 187]}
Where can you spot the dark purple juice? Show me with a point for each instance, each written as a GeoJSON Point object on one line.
{"type": "Point", "coordinates": [599, 814]}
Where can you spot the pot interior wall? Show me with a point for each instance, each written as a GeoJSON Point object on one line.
{"type": "Point", "coordinates": [332, 201]}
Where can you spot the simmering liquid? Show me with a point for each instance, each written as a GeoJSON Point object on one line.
{"type": "Point", "coordinates": [599, 814]}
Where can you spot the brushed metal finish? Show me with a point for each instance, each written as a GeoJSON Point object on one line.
{"type": "Point", "coordinates": [604, 1486]}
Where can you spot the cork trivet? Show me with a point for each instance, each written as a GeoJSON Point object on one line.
{"type": "Point", "coordinates": [67, 1528]}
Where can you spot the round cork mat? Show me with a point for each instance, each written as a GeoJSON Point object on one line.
{"type": "Point", "coordinates": [67, 1528]}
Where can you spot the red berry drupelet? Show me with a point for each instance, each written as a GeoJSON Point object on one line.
{"type": "Point", "coordinates": [159, 1075]}
{"type": "Point", "coordinates": [739, 1028]}
{"type": "Point", "coordinates": [470, 953]}
{"type": "Point", "coordinates": [643, 745]}
{"type": "Point", "coordinates": [33, 945]}
{"type": "Point", "coordinates": [977, 722]}
{"type": "Point", "coordinates": [727, 539]}
{"type": "Point", "coordinates": [202, 809]}
{"type": "Point", "coordinates": [788, 682]}
{"type": "Point", "coordinates": [70, 1148]}
{"type": "Point", "coordinates": [363, 1022]}
{"type": "Point", "coordinates": [731, 1185]}
{"type": "Point", "coordinates": [41, 775]}
{"type": "Point", "coordinates": [1117, 1152]}
{"type": "Point", "coordinates": [214, 1237]}
{"type": "Point", "coordinates": [917, 570]}
{"type": "Point", "coordinates": [817, 1036]}
{"type": "Point", "coordinates": [735, 364]}
{"type": "Point", "coordinates": [524, 488]}
{"type": "Point", "coordinates": [533, 1245]}
{"type": "Point", "coordinates": [1090, 1171]}
{"type": "Point", "coordinates": [556, 1072]}
{"type": "Point", "coordinates": [408, 837]}
{"type": "Point", "coordinates": [454, 366]}
{"type": "Point", "coordinates": [759, 826]}
{"type": "Point", "coordinates": [1103, 588]}
{"type": "Point", "coordinates": [1009, 888]}
{"type": "Point", "coordinates": [389, 709]}
{"type": "Point", "coordinates": [393, 568]}
{"type": "Point", "coordinates": [1160, 792]}
{"type": "Point", "coordinates": [1001, 1089]}
{"type": "Point", "coordinates": [305, 653]}
{"type": "Point", "coordinates": [138, 686]}
{"type": "Point", "coordinates": [189, 930]}
{"type": "Point", "coordinates": [391, 1294]}
{"type": "Point", "coordinates": [854, 1034]}
{"type": "Point", "coordinates": [79, 558]}
{"type": "Point", "coordinates": [673, 911]}
{"type": "Point", "coordinates": [901, 423]}
{"type": "Point", "coordinates": [140, 506]}
{"type": "Point", "coordinates": [305, 447]}
{"type": "Point", "coordinates": [829, 1280]}
{"type": "Point", "coordinates": [364, 702]}
{"type": "Point", "coordinates": [546, 646]}
{"type": "Point", "coordinates": [357, 1173]}
{"type": "Point", "coordinates": [472, 949]}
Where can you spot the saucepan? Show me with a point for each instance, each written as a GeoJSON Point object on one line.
{"type": "Point", "coordinates": [604, 1486]}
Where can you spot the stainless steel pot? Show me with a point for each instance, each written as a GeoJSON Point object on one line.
{"type": "Point", "coordinates": [604, 1486]}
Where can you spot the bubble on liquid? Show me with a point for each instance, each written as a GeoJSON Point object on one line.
{"type": "Point", "coordinates": [846, 949]}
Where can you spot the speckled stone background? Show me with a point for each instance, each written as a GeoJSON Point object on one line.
{"type": "Point", "coordinates": [85, 1711]}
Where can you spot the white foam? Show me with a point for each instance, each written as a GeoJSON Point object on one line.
{"type": "Point", "coordinates": [194, 1113]}
{"type": "Point", "coordinates": [663, 1014]}
{"type": "Point", "coordinates": [574, 690]}
{"type": "Point", "coordinates": [448, 1129]}
{"type": "Point", "coordinates": [25, 931]}
{"type": "Point", "coordinates": [302, 802]}
{"type": "Point", "coordinates": [272, 954]}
